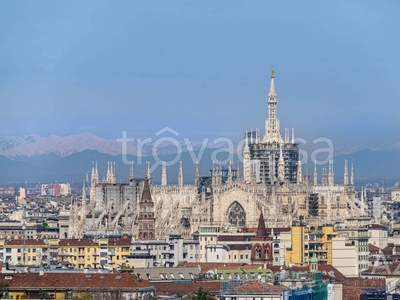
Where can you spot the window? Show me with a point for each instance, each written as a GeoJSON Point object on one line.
{"type": "Point", "coordinates": [241, 256]}
{"type": "Point", "coordinates": [217, 256]}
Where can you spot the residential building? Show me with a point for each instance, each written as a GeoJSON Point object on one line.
{"type": "Point", "coordinates": [357, 236]}
{"type": "Point", "coordinates": [378, 235]}
{"type": "Point", "coordinates": [297, 253]}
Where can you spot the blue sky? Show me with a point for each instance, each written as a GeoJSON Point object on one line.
{"type": "Point", "coordinates": [200, 67]}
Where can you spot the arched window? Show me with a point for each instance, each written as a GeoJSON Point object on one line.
{"type": "Point", "coordinates": [267, 253]}
{"type": "Point", "coordinates": [236, 215]}
{"type": "Point", "coordinates": [258, 252]}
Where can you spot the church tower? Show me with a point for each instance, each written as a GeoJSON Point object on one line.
{"type": "Point", "coordinates": [146, 220]}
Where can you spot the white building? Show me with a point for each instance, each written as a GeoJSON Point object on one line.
{"type": "Point", "coordinates": [344, 257]}
{"type": "Point", "coordinates": [378, 235]}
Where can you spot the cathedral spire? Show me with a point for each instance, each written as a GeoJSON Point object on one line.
{"type": "Point", "coordinates": [83, 198]}
{"type": "Point", "coordinates": [324, 176]}
{"type": "Point", "coordinates": [272, 133]}
{"type": "Point", "coordinates": [362, 194]}
{"type": "Point", "coordinates": [299, 175]}
{"type": "Point", "coordinates": [331, 176]}
{"type": "Point", "coordinates": [346, 174]}
{"type": "Point", "coordinates": [148, 170]}
{"type": "Point", "coordinates": [352, 174]}
{"type": "Point", "coordinates": [180, 175]}
{"type": "Point", "coordinates": [315, 174]}
{"type": "Point", "coordinates": [164, 174]}
{"type": "Point", "coordinates": [196, 175]}
{"type": "Point", "coordinates": [229, 179]}
{"type": "Point", "coordinates": [292, 135]}
{"type": "Point", "coordinates": [114, 173]}
{"type": "Point", "coordinates": [108, 172]}
{"type": "Point", "coordinates": [96, 173]}
{"type": "Point", "coordinates": [306, 173]}
{"type": "Point", "coordinates": [131, 174]}
{"type": "Point", "coordinates": [92, 176]}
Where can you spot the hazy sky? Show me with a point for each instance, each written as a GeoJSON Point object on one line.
{"type": "Point", "coordinates": [200, 67]}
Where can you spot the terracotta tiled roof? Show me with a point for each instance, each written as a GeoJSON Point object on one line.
{"type": "Point", "coordinates": [77, 242]}
{"type": "Point", "coordinates": [277, 230]}
{"type": "Point", "coordinates": [258, 287]}
{"type": "Point", "coordinates": [183, 289]}
{"type": "Point", "coordinates": [388, 250]}
{"type": "Point", "coordinates": [354, 287]}
{"type": "Point", "coordinates": [392, 269]}
{"type": "Point", "coordinates": [119, 242]}
{"type": "Point", "coordinates": [239, 246]}
{"type": "Point", "coordinates": [205, 267]}
{"type": "Point", "coordinates": [28, 242]}
{"type": "Point", "coordinates": [373, 249]}
{"type": "Point", "coordinates": [75, 280]}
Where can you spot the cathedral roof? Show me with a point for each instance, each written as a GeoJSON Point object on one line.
{"type": "Point", "coordinates": [146, 195]}
{"type": "Point", "coordinates": [261, 230]}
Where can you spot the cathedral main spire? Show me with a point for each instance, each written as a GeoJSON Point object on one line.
{"type": "Point", "coordinates": [272, 133]}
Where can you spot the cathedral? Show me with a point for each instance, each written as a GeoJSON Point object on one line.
{"type": "Point", "coordinates": [272, 184]}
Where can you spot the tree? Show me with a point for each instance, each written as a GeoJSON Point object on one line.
{"type": "Point", "coordinates": [201, 295]}
{"type": "Point", "coordinates": [3, 287]}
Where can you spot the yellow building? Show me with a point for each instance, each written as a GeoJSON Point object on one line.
{"type": "Point", "coordinates": [94, 253]}
{"type": "Point", "coordinates": [298, 252]}
{"type": "Point", "coordinates": [320, 243]}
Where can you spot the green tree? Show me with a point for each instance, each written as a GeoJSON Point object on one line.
{"type": "Point", "coordinates": [200, 294]}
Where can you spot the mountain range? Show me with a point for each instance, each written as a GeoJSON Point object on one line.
{"type": "Point", "coordinates": [54, 158]}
